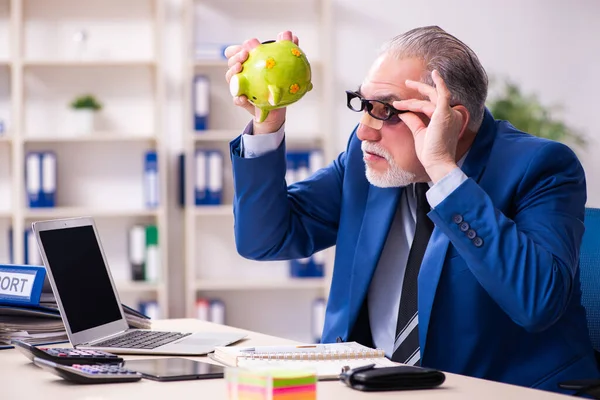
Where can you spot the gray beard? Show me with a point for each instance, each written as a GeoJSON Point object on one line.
{"type": "Point", "coordinates": [392, 177]}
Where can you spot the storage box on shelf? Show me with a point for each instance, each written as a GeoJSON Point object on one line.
{"type": "Point", "coordinates": [64, 49]}
{"type": "Point", "coordinates": [214, 270]}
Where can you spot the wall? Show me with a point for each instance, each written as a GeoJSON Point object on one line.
{"type": "Point", "coordinates": [556, 56]}
{"type": "Point", "coordinates": [549, 47]}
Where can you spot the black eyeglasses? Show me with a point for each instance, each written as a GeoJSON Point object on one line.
{"type": "Point", "coordinates": [376, 108]}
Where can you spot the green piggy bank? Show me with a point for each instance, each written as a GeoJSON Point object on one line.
{"type": "Point", "coordinates": [275, 75]}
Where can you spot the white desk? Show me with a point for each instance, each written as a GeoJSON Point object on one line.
{"type": "Point", "coordinates": [20, 379]}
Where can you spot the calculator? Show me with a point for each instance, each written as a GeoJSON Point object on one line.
{"type": "Point", "coordinates": [80, 373]}
{"type": "Point", "coordinates": [65, 355]}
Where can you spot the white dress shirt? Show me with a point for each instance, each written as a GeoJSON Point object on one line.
{"type": "Point", "coordinates": [386, 285]}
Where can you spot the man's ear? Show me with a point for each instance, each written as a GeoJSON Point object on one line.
{"type": "Point", "coordinates": [466, 118]}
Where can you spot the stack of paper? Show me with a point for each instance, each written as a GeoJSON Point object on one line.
{"type": "Point", "coordinates": [269, 384]}
{"type": "Point", "coordinates": [31, 324]}
{"type": "Point", "coordinates": [43, 324]}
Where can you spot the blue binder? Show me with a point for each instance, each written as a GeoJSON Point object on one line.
{"type": "Point", "coordinates": [298, 165]}
{"type": "Point", "coordinates": [200, 177]}
{"type": "Point", "coordinates": [33, 179]}
{"type": "Point", "coordinates": [150, 309]}
{"type": "Point", "coordinates": [300, 268]}
{"type": "Point", "coordinates": [21, 285]}
{"type": "Point", "coordinates": [151, 179]}
{"type": "Point", "coordinates": [208, 186]}
{"type": "Point", "coordinates": [309, 267]}
{"type": "Point", "coordinates": [215, 177]}
{"type": "Point", "coordinates": [48, 173]}
{"type": "Point", "coordinates": [201, 102]}
{"type": "Point", "coordinates": [181, 180]}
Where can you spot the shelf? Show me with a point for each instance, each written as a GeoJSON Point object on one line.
{"type": "Point", "coordinates": [137, 287]}
{"type": "Point", "coordinates": [215, 135]}
{"type": "Point", "coordinates": [210, 63]}
{"type": "Point", "coordinates": [5, 139]}
{"type": "Point", "coordinates": [213, 210]}
{"type": "Point", "coordinates": [104, 137]}
{"type": "Point", "coordinates": [90, 63]}
{"type": "Point", "coordinates": [6, 214]}
{"type": "Point", "coordinates": [223, 64]}
{"type": "Point", "coordinates": [227, 135]}
{"type": "Point", "coordinates": [249, 284]}
{"type": "Point", "coordinates": [69, 212]}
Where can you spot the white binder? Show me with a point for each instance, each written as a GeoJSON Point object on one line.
{"type": "Point", "coordinates": [48, 179]}
{"type": "Point", "coordinates": [200, 187]}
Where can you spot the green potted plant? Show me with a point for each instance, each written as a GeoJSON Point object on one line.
{"type": "Point", "coordinates": [525, 112]}
{"type": "Point", "coordinates": [84, 109]}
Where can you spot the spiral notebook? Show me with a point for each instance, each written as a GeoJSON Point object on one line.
{"type": "Point", "coordinates": [328, 360]}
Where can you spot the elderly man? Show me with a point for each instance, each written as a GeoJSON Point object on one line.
{"type": "Point", "coordinates": [457, 236]}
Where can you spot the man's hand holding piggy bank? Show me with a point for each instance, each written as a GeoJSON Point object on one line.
{"type": "Point", "coordinates": [265, 78]}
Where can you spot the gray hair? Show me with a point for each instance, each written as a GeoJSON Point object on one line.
{"type": "Point", "coordinates": [458, 65]}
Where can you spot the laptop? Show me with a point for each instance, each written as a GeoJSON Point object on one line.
{"type": "Point", "coordinates": [88, 300]}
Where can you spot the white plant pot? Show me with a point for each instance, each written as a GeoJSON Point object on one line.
{"type": "Point", "coordinates": [82, 121]}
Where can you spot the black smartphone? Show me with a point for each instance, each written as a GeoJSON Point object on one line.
{"type": "Point", "coordinates": [175, 369]}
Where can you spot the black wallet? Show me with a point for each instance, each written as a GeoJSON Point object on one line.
{"type": "Point", "coordinates": [401, 377]}
{"type": "Point", "coordinates": [587, 387]}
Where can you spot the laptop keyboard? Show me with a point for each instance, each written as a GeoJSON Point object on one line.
{"type": "Point", "coordinates": [142, 339]}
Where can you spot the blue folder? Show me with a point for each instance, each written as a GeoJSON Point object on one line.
{"type": "Point", "coordinates": [21, 285]}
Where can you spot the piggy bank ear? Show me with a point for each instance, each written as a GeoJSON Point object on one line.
{"type": "Point", "coordinates": [309, 87]}
{"type": "Point", "coordinates": [274, 95]}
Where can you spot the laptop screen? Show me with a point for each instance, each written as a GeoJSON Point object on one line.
{"type": "Point", "coordinates": [80, 276]}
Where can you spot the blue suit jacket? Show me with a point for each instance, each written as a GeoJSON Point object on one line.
{"type": "Point", "coordinates": [507, 310]}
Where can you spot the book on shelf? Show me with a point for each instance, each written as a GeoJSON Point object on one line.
{"type": "Point", "coordinates": [328, 360]}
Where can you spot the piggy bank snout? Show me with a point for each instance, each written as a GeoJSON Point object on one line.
{"type": "Point", "coordinates": [237, 85]}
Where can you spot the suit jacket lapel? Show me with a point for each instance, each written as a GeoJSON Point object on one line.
{"type": "Point", "coordinates": [433, 259]}
{"type": "Point", "coordinates": [379, 213]}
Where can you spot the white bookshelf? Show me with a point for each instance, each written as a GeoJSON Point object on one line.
{"type": "Point", "coordinates": [96, 212]}
{"type": "Point", "coordinates": [88, 63]}
{"type": "Point", "coordinates": [206, 285]}
{"type": "Point", "coordinates": [97, 137]}
{"type": "Point", "coordinates": [100, 174]}
{"type": "Point", "coordinates": [213, 267]}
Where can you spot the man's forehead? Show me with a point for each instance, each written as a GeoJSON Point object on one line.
{"type": "Point", "coordinates": [386, 78]}
{"type": "Point", "coordinates": [382, 93]}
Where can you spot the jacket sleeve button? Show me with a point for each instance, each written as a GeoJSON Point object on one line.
{"type": "Point", "coordinates": [464, 226]}
{"type": "Point", "coordinates": [457, 218]}
{"type": "Point", "coordinates": [471, 234]}
{"type": "Point", "coordinates": [477, 241]}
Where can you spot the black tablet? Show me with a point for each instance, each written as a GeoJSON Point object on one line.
{"type": "Point", "coordinates": [175, 369]}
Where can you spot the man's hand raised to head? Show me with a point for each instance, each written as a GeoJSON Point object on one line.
{"type": "Point", "coordinates": [236, 55]}
{"type": "Point", "coordinates": [436, 142]}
